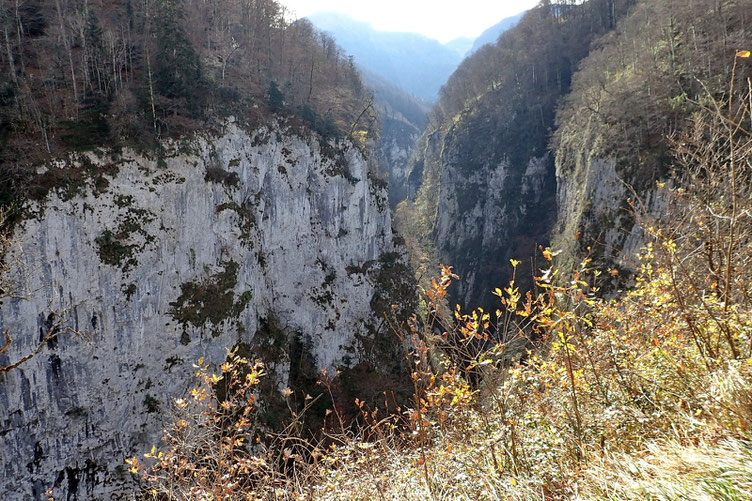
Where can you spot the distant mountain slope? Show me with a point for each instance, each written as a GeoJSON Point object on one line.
{"type": "Point", "coordinates": [494, 32]}
{"type": "Point", "coordinates": [396, 102]}
{"type": "Point", "coordinates": [416, 63]}
{"type": "Point", "coordinates": [461, 46]}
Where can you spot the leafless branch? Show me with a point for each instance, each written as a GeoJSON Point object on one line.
{"type": "Point", "coordinates": [52, 333]}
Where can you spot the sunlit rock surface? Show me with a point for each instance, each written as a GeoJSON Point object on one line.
{"type": "Point", "coordinates": [169, 260]}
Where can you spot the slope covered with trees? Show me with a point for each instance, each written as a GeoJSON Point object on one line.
{"type": "Point", "coordinates": [488, 183]}
{"type": "Point", "coordinates": [588, 92]}
{"type": "Point", "coordinates": [639, 89]}
{"type": "Point", "coordinates": [82, 74]}
{"type": "Point", "coordinates": [402, 118]}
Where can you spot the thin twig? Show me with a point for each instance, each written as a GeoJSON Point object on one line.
{"type": "Point", "coordinates": [51, 334]}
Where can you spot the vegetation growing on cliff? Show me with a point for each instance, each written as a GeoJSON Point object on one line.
{"type": "Point", "coordinates": [641, 84]}
{"type": "Point", "coordinates": [121, 247]}
{"type": "Point", "coordinates": [211, 301]}
{"type": "Point", "coordinates": [586, 82]}
{"type": "Point", "coordinates": [555, 393]}
{"type": "Point", "coordinates": [130, 72]}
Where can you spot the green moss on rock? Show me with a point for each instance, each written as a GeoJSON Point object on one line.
{"type": "Point", "coordinates": [151, 404]}
{"type": "Point", "coordinates": [120, 248]}
{"type": "Point", "coordinates": [114, 252]}
{"type": "Point", "coordinates": [246, 220]}
{"type": "Point", "coordinates": [221, 176]}
{"type": "Point", "coordinates": [211, 301]}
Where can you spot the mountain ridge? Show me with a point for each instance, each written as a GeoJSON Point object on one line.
{"type": "Point", "coordinates": [492, 34]}
{"type": "Point", "coordinates": [414, 62]}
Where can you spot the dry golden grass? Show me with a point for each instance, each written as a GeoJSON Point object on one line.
{"type": "Point", "coordinates": [672, 469]}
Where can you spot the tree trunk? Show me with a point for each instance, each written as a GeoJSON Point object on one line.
{"type": "Point", "coordinates": [19, 37]}
{"type": "Point", "coordinates": [151, 92]}
{"type": "Point", "coordinates": [8, 48]}
{"type": "Point", "coordinates": [70, 53]}
{"type": "Point", "coordinates": [310, 80]}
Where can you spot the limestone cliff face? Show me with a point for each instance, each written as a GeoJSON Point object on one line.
{"type": "Point", "coordinates": [167, 261]}
{"type": "Point", "coordinates": [487, 200]}
{"type": "Point", "coordinates": [488, 217]}
{"type": "Point", "coordinates": [396, 144]}
{"type": "Point", "coordinates": [594, 213]}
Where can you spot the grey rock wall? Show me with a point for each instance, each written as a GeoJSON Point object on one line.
{"type": "Point", "coordinates": [487, 217]}
{"type": "Point", "coordinates": [396, 145]}
{"type": "Point", "coordinates": [174, 260]}
{"type": "Point", "coordinates": [596, 219]}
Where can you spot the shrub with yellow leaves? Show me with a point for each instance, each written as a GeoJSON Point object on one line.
{"type": "Point", "coordinates": [213, 447]}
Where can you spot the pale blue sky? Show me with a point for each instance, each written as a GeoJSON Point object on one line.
{"type": "Point", "coordinates": [439, 19]}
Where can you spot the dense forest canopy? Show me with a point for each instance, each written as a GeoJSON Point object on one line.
{"type": "Point", "coordinates": [535, 58]}
{"type": "Point", "coordinates": [642, 82]}
{"type": "Point", "coordinates": [642, 87]}
{"type": "Point", "coordinates": [84, 73]}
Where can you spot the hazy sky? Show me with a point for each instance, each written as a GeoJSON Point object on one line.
{"type": "Point", "coordinates": [440, 19]}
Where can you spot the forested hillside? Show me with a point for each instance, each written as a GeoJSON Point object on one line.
{"type": "Point", "coordinates": [639, 90]}
{"type": "Point", "coordinates": [488, 183]}
{"type": "Point", "coordinates": [403, 118]}
{"type": "Point", "coordinates": [521, 142]}
{"type": "Point", "coordinates": [82, 74]}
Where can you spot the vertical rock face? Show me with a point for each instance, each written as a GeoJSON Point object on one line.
{"type": "Point", "coordinates": [594, 212]}
{"type": "Point", "coordinates": [398, 138]}
{"type": "Point", "coordinates": [489, 216]}
{"type": "Point", "coordinates": [165, 262]}
{"type": "Point", "coordinates": [490, 200]}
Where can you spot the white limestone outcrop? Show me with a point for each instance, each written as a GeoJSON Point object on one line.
{"type": "Point", "coordinates": [176, 259]}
